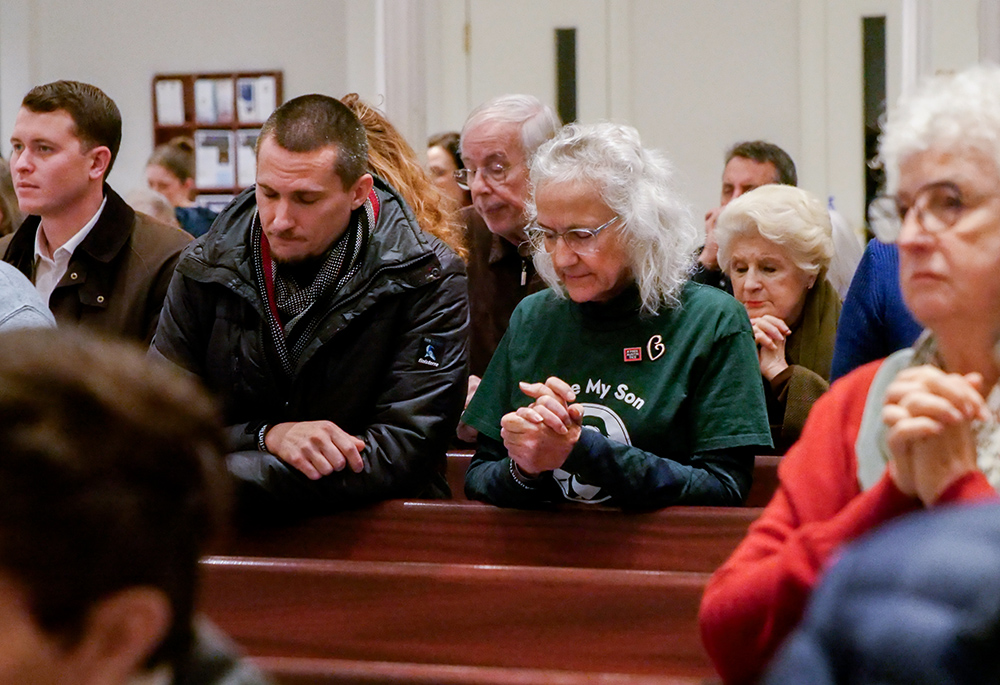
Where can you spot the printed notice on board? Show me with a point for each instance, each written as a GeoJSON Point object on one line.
{"type": "Point", "coordinates": [215, 163]}
{"type": "Point", "coordinates": [256, 98]}
{"type": "Point", "coordinates": [246, 159]}
{"type": "Point", "coordinates": [170, 102]}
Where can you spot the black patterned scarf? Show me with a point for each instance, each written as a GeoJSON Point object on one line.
{"type": "Point", "coordinates": [293, 318]}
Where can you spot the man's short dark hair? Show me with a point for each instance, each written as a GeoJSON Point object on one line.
{"type": "Point", "coordinates": [311, 122]}
{"type": "Point", "coordinates": [110, 478]}
{"type": "Point", "coordinates": [96, 116]}
{"type": "Point", "coordinates": [761, 151]}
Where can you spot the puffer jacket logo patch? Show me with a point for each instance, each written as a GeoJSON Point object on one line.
{"type": "Point", "coordinates": [431, 348]}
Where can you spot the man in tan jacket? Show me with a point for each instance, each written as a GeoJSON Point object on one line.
{"type": "Point", "coordinates": [94, 260]}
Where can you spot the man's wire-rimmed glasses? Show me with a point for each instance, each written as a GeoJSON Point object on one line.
{"type": "Point", "coordinates": [494, 174]}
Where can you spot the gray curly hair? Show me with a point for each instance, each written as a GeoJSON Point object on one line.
{"type": "Point", "coordinates": [960, 110]}
{"type": "Point", "coordinates": [637, 184]}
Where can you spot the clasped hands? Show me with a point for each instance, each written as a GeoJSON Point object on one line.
{"type": "Point", "coordinates": [929, 414]}
{"type": "Point", "coordinates": [770, 333]}
{"type": "Point", "coordinates": [540, 437]}
{"type": "Point", "coordinates": [316, 448]}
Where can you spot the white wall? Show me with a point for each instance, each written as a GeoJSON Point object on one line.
{"type": "Point", "coordinates": [708, 74]}
{"type": "Point", "coordinates": [954, 33]}
{"type": "Point", "coordinates": [446, 66]}
{"type": "Point", "coordinates": [833, 119]}
{"type": "Point", "coordinates": [119, 44]}
{"type": "Point", "coordinates": [944, 37]}
{"type": "Point", "coordinates": [15, 58]}
{"type": "Point", "coordinates": [693, 77]}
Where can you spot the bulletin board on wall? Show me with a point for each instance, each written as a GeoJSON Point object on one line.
{"type": "Point", "coordinates": [222, 112]}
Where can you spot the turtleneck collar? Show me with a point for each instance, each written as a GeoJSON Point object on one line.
{"type": "Point", "coordinates": [620, 310]}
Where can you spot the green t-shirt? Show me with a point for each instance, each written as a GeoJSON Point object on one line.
{"type": "Point", "coordinates": [664, 398]}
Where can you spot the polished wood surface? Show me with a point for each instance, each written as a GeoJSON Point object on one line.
{"type": "Point", "coordinates": [463, 593]}
{"type": "Point", "coordinates": [765, 480]}
{"type": "Point", "coordinates": [299, 671]}
{"type": "Point", "coordinates": [565, 619]}
{"type": "Point", "coordinates": [696, 539]}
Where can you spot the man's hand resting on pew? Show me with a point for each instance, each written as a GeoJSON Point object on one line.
{"type": "Point", "coordinates": [316, 448]}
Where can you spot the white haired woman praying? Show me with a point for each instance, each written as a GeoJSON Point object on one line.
{"type": "Point", "coordinates": [623, 383]}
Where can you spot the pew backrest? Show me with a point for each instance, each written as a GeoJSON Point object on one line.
{"type": "Point", "coordinates": [690, 539]}
{"type": "Point", "coordinates": [588, 620]}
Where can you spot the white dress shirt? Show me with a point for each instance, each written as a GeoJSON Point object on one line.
{"type": "Point", "coordinates": [50, 268]}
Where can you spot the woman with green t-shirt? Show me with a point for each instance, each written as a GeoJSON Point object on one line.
{"type": "Point", "coordinates": [623, 383]}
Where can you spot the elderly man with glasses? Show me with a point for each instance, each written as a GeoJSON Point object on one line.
{"type": "Point", "coordinates": [497, 142]}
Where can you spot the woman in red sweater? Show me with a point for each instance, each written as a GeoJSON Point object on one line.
{"type": "Point", "coordinates": [918, 429]}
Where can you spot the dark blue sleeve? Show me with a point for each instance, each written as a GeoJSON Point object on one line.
{"type": "Point", "coordinates": [874, 321]}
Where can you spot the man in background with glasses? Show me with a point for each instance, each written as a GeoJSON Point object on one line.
{"type": "Point", "coordinates": [498, 140]}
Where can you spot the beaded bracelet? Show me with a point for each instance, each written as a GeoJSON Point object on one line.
{"type": "Point", "coordinates": [520, 478]}
{"type": "Point", "coordinates": [261, 444]}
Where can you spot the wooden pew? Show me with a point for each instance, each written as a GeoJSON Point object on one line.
{"type": "Point", "coordinates": [690, 539]}
{"type": "Point", "coordinates": [765, 480]}
{"type": "Point", "coordinates": [449, 577]}
{"type": "Point", "coordinates": [457, 464]}
{"type": "Point", "coordinates": [765, 477]}
{"type": "Point", "coordinates": [560, 619]}
{"type": "Point", "coordinates": [299, 671]}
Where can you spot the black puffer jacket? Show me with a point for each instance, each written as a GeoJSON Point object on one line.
{"type": "Point", "coordinates": [367, 370]}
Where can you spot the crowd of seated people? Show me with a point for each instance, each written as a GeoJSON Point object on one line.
{"type": "Point", "coordinates": [918, 430]}
{"type": "Point", "coordinates": [279, 372]}
{"type": "Point", "coordinates": [335, 307]}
